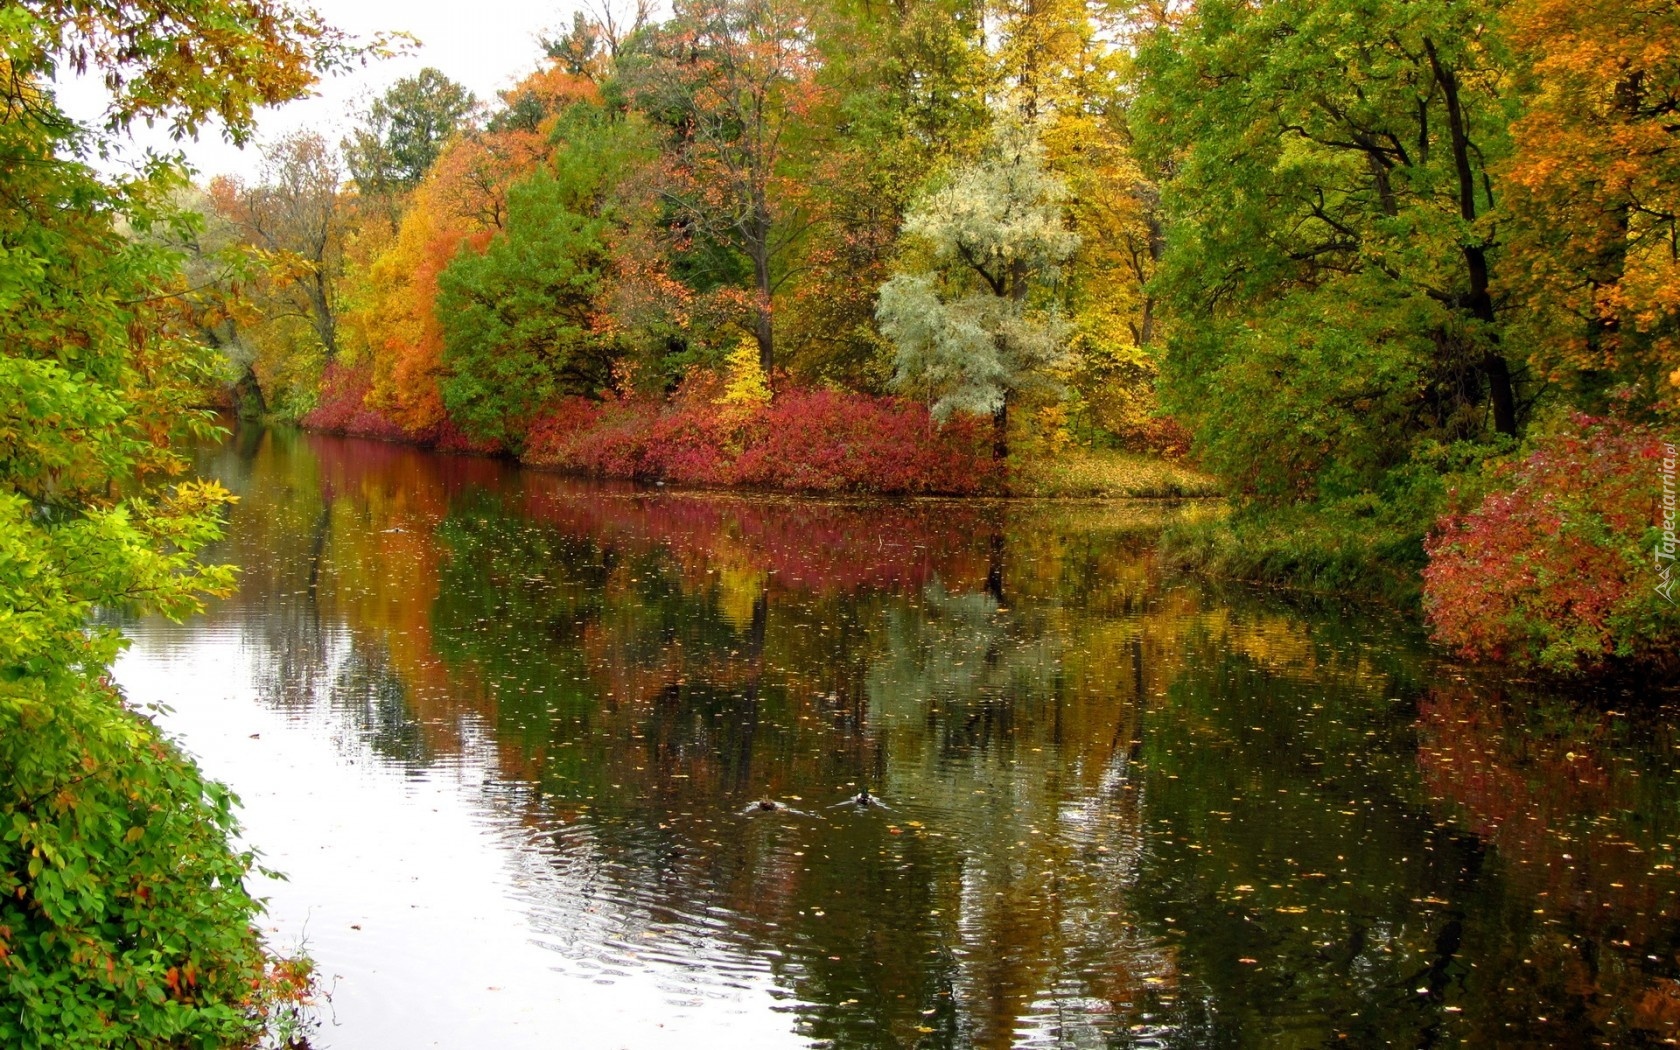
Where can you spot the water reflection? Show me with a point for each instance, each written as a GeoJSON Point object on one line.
{"type": "Point", "coordinates": [1123, 810]}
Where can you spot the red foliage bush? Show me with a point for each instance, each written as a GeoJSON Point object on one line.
{"type": "Point", "coordinates": [1557, 566]}
{"type": "Point", "coordinates": [1158, 435]}
{"type": "Point", "coordinates": [805, 441]}
{"type": "Point", "coordinates": [824, 441]}
{"type": "Point", "coordinates": [448, 436]}
{"type": "Point", "coordinates": [343, 409]}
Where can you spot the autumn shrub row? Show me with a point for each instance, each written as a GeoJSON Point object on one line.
{"type": "Point", "coordinates": [806, 440]}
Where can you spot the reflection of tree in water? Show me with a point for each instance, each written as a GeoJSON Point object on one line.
{"type": "Point", "coordinates": [1124, 812]}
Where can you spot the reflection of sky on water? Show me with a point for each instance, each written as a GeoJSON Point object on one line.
{"type": "Point", "coordinates": [437, 916]}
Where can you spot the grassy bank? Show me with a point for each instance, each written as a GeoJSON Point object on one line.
{"type": "Point", "coordinates": [1108, 474]}
{"type": "Point", "coordinates": [1312, 550]}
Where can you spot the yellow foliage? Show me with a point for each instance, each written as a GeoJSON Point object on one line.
{"type": "Point", "coordinates": [746, 385]}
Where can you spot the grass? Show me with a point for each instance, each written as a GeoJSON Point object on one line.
{"type": "Point", "coordinates": [1107, 474]}
{"type": "Point", "coordinates": [1303, 548]}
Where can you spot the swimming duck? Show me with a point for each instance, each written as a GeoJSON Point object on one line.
{"type": "Point", "coordinates": [862, 800]}
{"type": "Point", "coordinates": [769, 805]}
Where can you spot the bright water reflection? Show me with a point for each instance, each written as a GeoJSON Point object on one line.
{"type": "Point", "coordinates": [503, 729]}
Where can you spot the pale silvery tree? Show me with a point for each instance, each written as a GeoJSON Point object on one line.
{"type": "Point", "coordinates": [971, 327]}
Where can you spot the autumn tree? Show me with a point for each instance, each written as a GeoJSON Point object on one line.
{"type": "Point", "coordinates": [732, 79]}
{"type": "Point", "coordinates": [390, 292]}
{"type": "Point", "coordinates": [218, 271]}
{"type": "Point", "coordinates": [1594, 192]}
{"type": "Point", "coordinates": [972, 324]}
{"type": "Point", "coordinates": [903, 92]}
{"type": "Point", "coordinates": [524, 320]}
{"type": "Point", "coordinates": [403, 132]}
{"type": "Point", "coordinates": [591, 44]}
{"type": "Point", "coordinates": [296, 213]}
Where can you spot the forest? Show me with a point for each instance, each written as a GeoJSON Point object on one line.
{"type": "Point", "coordinates": [1398, 281]}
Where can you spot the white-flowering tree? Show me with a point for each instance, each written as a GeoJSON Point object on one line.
{"type": "Point", "coordinates": [973, 326]}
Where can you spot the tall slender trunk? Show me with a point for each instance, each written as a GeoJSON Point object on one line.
{"type": "Point", "coordinates": [1479, 301]}
{"type": "Point", "coordinates": [758, 241]}
{"type": "Point", "coordinates": [320, 306]}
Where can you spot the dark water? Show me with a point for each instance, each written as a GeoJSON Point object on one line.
{"type": "Point", "coordinates": [502, 729]}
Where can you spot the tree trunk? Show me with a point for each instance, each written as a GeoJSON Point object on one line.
{"type": "Point", "coordinates": [326, 328]}
{"type": "Point", "coordinates": [758, 242]}
{"type": "Point", "coordinates": [248, 400]}
{"type": "Point", "coordinates": [765, 334]}
{"type": "Point", "coordinates": [1000, 430]}
{"type": "Point", "coordinates": [1479, 301]}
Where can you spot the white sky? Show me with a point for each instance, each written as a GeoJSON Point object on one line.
{"type": "Point", "coordinates": [485, 44]}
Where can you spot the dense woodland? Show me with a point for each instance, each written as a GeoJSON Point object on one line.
{"type": "Point", "coordinates": [1404, 277]}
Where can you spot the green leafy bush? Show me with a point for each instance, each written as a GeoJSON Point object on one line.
{"type": "Point", "coordinates": [124, 920]}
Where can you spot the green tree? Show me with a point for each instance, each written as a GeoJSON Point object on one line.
{"type": "Point", "coordinates": [124, 920]}
{"type": "Point", "coordinates": [974, 325]}
{"type": "Point", "coordinates": [1332, 246]}
{"type": "Point", "coordinates": [733, 80]}
{"type": "Point", "coordinates": [404, 131]}
{"type": "Point", "coordinates": [523, 321]}
{"type": "Point", "coordinates": [903, 91]}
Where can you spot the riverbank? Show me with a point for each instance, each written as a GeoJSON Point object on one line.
{"type": "Point", "coordinates": [1304, 549]}
{"type": "Point", "coordinates": [808, 440]}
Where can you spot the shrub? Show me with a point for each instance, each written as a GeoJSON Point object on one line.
{"type": "Point", "coordinates": [1555, 568]}
{"type": "Point", "coordinates": [804, 441]}
{"type": "Point", "coordinates": [343, 409]}
{"type": "Point", "coordinates": [827, 441]}
{"type": "Point", "coordinates": [124, 920]}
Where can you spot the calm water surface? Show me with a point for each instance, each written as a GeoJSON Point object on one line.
{"type": "Point", "coordinates": [503, 731]}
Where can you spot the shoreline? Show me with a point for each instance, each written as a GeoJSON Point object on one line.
{"type": "Point", "coordinates": [1200, 497]}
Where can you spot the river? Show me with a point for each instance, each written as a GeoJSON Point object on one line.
{"type": "Point", "coordinates": [504, 733]}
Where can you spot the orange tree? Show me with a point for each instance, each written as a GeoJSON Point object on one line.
{"type": "Point", "coordinates": [1594, 187]}
{"type": "Point", "coordinates": [123, 918]}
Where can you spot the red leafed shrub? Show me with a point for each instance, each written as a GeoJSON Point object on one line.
{"type": "Point", "coordinates": [826, 441]}
{"type": "Point", "coordinates": [342, 408]}
{"type": "Point", "coordinates": [448, 436]}
{"type": "Point", "coordinates": [693, 443]}
{"type": "Point", "coordinates": [1161, 435]}
{"type": "Point", "coordinates": [1558, 567]}
{"type": "Point", "coordinates": [604, 439]}
{"type": "Point", "coordinates": [805, 441]}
